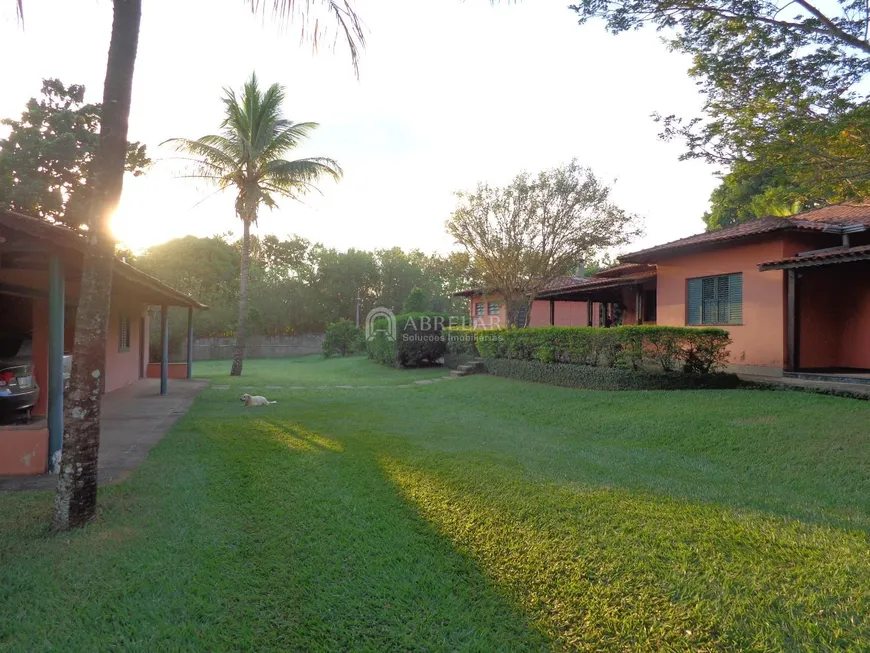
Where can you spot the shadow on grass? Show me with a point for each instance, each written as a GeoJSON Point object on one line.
{"type": "Point", "coordinates": [611, 569]}
{"type": "Point", "coordinates": [248, 534]}
{"type": "Point", "coordinates": [318, 525]}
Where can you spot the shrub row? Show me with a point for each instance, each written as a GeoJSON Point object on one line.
{"type": "Point", "coordinates": [419, 339]}
{"type": "Point", "coordinates": [590, 377]}
{"type": "Point", "coordinates": [670, 349]}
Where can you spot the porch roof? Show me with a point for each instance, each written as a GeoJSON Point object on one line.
{"type": "Point", "coordinates": [580, 291]}
{"type": "Point", "coordinates": [837, 215]}
{"type": "Point", "coordinates": [831, 256]}
{"type": "Point", "coordinates": [25, 240]}
{"type": "Point", "coordinates": [554, 284]}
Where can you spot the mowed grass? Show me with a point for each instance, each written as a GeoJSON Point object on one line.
{"type": "Point", "coordinates": [477, 514]}
{"type": "Point", "coordinates": [313, 371]}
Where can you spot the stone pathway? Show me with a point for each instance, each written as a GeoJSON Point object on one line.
{"type": "Point", "coordinates": [823, 387]}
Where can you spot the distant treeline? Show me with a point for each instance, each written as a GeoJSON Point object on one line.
{"type": "Point", "coordinates": [297, 287]}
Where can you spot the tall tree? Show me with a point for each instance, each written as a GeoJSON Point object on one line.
{"type": "Point", "coordinates": [45, 160]}
{"type": "Point", "coordinates": [76, 498]}
{"type": "Point", "coordinates": [246, 157]}
{"type": "Point", "coordinates": [746, 194]}
{"type": "Point", "coordinates": [75, 501]}
{"type": "Point", "coordinates": [524, 235]}
{"type": "Point", "coordinates": [783, 83]}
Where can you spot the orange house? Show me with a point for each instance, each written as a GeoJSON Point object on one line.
{"type": "Point", "coordinates": [618, 294]}
{"type": "Point", "coordinates": [40, 273]}
{"type": "Point", "coordinates": [793, 293]}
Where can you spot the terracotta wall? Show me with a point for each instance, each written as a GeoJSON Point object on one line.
{"type": "Point", "coordinates": [834, 304]}
{"type": "Point", "coordinates": [24, 449]}
{"type": "Point", "coordinates": [487, 321]}
{"type": "Point", "coordinates": [174, 371]}
{"type": "Point", "coordinates": [855, 342]}
{"type": "Point", "coordinates": [760, 340]}
{"type": "Point", "coordinates": [123, 367]}
{"type": "Point", "coordinates": [565, 313]}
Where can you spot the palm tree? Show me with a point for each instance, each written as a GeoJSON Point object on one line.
{"type": "Point", "coordinates": [247, 158]}
{"type": "Point", "coordinates": [76, 497]}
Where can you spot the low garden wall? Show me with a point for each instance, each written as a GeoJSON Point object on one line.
{"type": "Point", "coordinates": [206, 349]}
{"type": "Point", "coordinates": [618, 358]}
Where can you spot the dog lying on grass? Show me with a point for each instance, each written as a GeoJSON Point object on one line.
{"type": "Point", "coordinates": [255, 400]}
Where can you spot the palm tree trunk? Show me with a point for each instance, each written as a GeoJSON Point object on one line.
{"type": "Point", "coordinates": [76, 498]}
{"type": "Point", "coordinates": [239, 351]}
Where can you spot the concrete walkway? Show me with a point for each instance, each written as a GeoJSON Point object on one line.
{"type": "Point", "coordinates": [134, 419]}
{"type": "Point", "coordinates": [811, 385]}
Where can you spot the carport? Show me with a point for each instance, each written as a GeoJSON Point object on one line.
{"type": "Point", "coordinates": [40, 273]}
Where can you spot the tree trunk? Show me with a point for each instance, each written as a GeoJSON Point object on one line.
{"type": "Point", "coordinates": [239, 351]}
{"type": "Point", "coordinates": [76, 498]}
{"type": "Point", "coordinates": [515, 310]}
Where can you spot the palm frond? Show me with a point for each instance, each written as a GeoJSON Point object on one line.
{"type": "Point", "coordinates": [347, 22]}
{"type": "Point", "coordinates": [214, 150]}
{"type": "Point", "coordinates": [246, 154]}
{"type": "Point", "coordinates": [305, 170]}
{"type": "Point", "coordinates": [288, 137]}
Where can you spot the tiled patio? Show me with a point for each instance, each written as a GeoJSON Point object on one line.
{"type": "Point", "coordinates": [134, 419]}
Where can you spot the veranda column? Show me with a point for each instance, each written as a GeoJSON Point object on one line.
{"type": "Point", "coordinates": [190, 342]}
{"type": "Point", "coordinates": [792, 362]}
{"type": "Point", "coordinates": [55, 362]}
{"type": "Point", "coordinates": [164, 349]}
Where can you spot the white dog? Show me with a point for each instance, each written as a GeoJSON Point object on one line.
{"type": "Point", "coordinates": [255, 400]}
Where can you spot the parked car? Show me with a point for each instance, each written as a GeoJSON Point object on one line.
{"type": "Point", "coordinates": [67, 369]}
{"type": "Point", "coordinates": [19, 391]}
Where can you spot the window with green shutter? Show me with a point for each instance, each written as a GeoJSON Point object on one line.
{"type": "Point", "coordinates": [493, 308]}
{"type": "Point", "coordinates": [715, 300]}
{"type": "Point", "coordinates": [479, 308]}
{"type": "Point", "coordinates": [124, 334]}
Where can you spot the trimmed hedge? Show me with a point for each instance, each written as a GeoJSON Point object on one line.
{"type": "Point", "coordinates": [693, 350]}
{"type": "Point", "coordinates": [419, 339]}
{"type": "Point", "coordinates": [590, 377]}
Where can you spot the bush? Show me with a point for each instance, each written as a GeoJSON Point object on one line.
{"type": "Point", "coordinates": [343, 338]}
{"type": "Point", "coordinates": [670, 349]}
{"type": "Point", "coordinates": [419, 339]}
{"type": "Point", "coordinates": [417, 302]}
{"type": "Point", "coordinates": [590, 377]}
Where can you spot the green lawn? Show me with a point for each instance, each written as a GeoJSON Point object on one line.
{"type": "Point", "coordinates": [478, 514]}
{"type": "Point", "coordinates": [312, 371]}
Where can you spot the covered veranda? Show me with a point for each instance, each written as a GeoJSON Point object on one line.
{"type": "Point", "coordinates": [40, 274]}
{"type": "Point", "coordinates": [827, 313]}
{"type": "Point", "coordinates": [625, 294]}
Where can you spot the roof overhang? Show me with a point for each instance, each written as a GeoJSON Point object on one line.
{"type": "Point", "coordinates": [822, 258]}
{"type": "Point", "coordinates": [33, 238]}
{"type": "Point", "coordinates": [595, 286]}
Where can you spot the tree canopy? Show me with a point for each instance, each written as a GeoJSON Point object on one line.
{"type": "Point", "coordinates": [785, 103]}
{"type": "Point", "coordinates": [527, 233]}
{"type": "Point", "coordinates": [45, 161]}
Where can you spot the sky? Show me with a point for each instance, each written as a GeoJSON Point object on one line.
{"type": "Point", "coordinates": [447, 97]}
